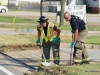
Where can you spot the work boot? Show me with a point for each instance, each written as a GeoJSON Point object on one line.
{"type": "Point", "coordinates": [80, 63]}
{"type": "Point", "coordinates": [86, 62]}
{"type": "Point", "coordinates": [56, 64]}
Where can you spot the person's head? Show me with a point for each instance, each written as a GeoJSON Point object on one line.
{"type": "Point", "coordinates": [67, 16]}
{"type": "Point", "coordinates": [43, 21]}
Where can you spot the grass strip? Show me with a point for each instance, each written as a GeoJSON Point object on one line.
{"type": "Point", "coordinates": [31, 38]}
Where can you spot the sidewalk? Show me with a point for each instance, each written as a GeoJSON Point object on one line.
{"type": "Point", "coordinates": [12, 31]}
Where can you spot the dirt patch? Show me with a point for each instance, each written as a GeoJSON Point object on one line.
{"type": "Point", "coordinates": [52, 71]}
{"type": "Point", "coordinates": [5, 48]}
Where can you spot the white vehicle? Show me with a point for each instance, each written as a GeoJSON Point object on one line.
{"type": "Point", "coordinates": [3, 9]}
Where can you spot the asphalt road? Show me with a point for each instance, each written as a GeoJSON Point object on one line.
{"type": "Point", "coordinates": [27, 13]}
{"type": "Point", "coordinates": [6, 69]}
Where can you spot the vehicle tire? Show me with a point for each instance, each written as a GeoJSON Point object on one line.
{"type": "Point", "coordinates": [3, 10]}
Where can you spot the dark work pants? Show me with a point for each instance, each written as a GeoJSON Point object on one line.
{"type": "Point", "coordinates": [55, 49]}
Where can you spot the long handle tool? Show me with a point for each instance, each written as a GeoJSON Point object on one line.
{"type": "Point", "coordinates": [71, 50]}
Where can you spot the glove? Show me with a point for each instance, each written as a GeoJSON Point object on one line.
{"type": "Point", "coordinates": [55, 40]}
{"type": "Point", "coordinates": [72, 31]}
{"type": "Point", "coordinates": [72, 45]}
{"type": "Point", "coordinates": [38, 40]}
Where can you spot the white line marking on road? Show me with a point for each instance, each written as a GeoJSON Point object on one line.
{"type": "Point", "coordinates": [6, 71]}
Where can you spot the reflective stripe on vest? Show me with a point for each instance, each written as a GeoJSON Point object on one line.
{"type": "Point", "coordinates": [50, 32]}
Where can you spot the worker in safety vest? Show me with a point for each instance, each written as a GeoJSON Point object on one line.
{"type": "Point", "coordinates": [50, 34]}
{"type": "Point", "coordinates": [79, 29]}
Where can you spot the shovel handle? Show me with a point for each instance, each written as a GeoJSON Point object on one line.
{"type": "Point", "coordinates": [71, 50]}
{"type": "Point", "coordinates": [71, 57]}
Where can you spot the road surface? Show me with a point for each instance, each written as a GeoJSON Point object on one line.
{"type": "Point", "coordinates": [6, 69]}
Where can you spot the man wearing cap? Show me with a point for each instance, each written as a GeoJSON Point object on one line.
{"type": "Point", "coordinates": [80, 32]}
{"type": "Point", "coordinates": [50, 34]}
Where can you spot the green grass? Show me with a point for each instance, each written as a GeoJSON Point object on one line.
{"type": "Point", "coordinates": [10, 19]}
{"type": "Point", "coordinates": [27, 22]}
{"type": "Point", "coordinates": [65, 27]}
{"type": "Point", "coordinates": [93, 40]}
{"type": "Point", "coordinates": [31, 38]}
{"type": "Point", "coordinates": [89, 39]}
{"type": "Point", "coordinates": [94, 28]}
{"type": "Point", "coordinates": [19, 26]}
{"type": "Point", "coordinates": [90, 27]}
{"type": "Point", "coordinates": [17, 39]}
{"type": "Point", "coordinates": [90, 69]}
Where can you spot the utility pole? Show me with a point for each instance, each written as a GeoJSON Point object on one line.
{"type": "Point", "coordinates": [8, 4]}
{"type": "Point", "coordinates": [41, 8]}
{"type": "Point", "coordinates": [62, 12]}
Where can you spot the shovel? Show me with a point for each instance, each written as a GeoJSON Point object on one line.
{"type": "Point", "coordinates": [70, 63]}
{"type": "Point", "coordinates": [71, 50]}
{"type": "Point", "coordinates": [43, 63]}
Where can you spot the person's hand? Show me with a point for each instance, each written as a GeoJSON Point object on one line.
{"type": "Point", "coordinates": [38, 40]}
{"type": "Point", "coordinates": [72, 45]}
{"type": "Point", "coordinates": [55, 40]}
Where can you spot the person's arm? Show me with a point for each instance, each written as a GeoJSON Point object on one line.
{"type": "Point", "coordinates": [58, 32]}
{"type": "Point", "coordinates": [39, 34]}
{"type": "Point", "coordinates": [75, 35]}
{"type": "Point", "coordinates": [39, 31]}
{"type": "Point", "coordinates": [75, 28]}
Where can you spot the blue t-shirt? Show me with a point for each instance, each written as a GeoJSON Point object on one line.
{"type": "Point", "coordinates": [77, 23]}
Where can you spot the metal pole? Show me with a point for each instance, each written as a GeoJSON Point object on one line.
{"type": "Point", "coordinates": [8, 2]}
{"type": "Point", "coordinates": [62, 12]}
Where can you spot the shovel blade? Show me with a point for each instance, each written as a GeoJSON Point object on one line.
{"type": "Point", "coordinates": [46, 64]}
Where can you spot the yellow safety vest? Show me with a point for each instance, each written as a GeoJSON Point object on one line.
{"type": "Point", "coordinates": [50, 32]}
